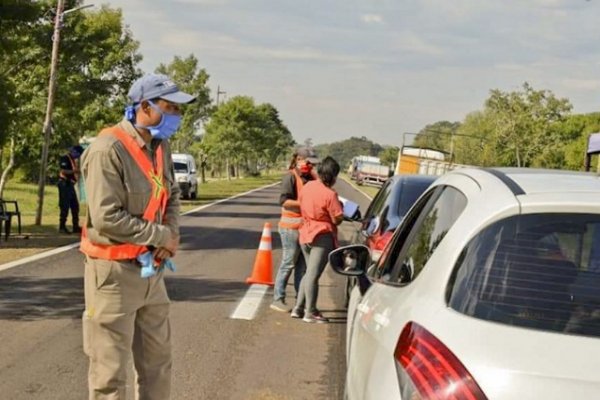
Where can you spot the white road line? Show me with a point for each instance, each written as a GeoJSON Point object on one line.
{"type": "Point", "coordinates": [39, 256]}
{"type": "Point", "coordinates": [355, 188]}
{"type": "Point", "coordinates": [71, 246]}
{"type": "Point", "coordinates": [229, 198]}
{"type": "Point", "coordinates": [248, 306]}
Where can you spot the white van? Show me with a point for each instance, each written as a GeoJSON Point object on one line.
{"type": "Point", "coordinates": [185, 174]}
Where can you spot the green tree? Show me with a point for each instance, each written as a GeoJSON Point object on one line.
{"type": "Point", "coordinates": [437, 136]}
{"type": "Point", "coordinates": [523, 123]}
{"type": "Point", "coordinates": [98, 61]}
{"type": "Point", "coordinates": [192, 79]}
{"type": "Point", "coordinates": [474, 143]}
{"type": "Point", "coordinates": [276, 139]}
{"type": "Point", "coordinates": [343, 151]}
{"type": "Point", "coordinates": [389, 155]}
{"type": "Point", "coordinates": [242, 133]}
{"type": "Point", "coordinates": [19, 21]}
{"type": "Point", "coordinates": [575, 130]}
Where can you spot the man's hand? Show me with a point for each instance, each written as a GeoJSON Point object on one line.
{"type": "Point", "coordinates": [161, 254]}
{"type": "Point", "coordinates": [169, 249]}
{"type": "Point", "coordinates": [173, 244]}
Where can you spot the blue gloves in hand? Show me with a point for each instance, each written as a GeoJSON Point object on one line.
{"type": "Point", "coordinates": [149, 266]}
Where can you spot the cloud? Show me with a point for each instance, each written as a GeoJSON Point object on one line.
{"type": "Point", "coordinates": [411, 42]}
{"type": "Point", "coordinates": [202, 2]}
{"type": "Point", "coordinates": [372, 18]}
{"type": "Point", "coordinates": [229, 47]}
{"type": "Point", "coordinates": [582, 84]}
{"type": "Point", "coordinates": [375, 68]}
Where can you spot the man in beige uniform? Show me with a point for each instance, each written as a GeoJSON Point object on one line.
{"type": "Point", "coordinates": [124, 313]}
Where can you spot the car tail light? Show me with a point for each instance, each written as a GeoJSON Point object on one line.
{"type": "Point", "coordinates": [379, 244]}
{"type": "Point", "coordinates": [427, 369]}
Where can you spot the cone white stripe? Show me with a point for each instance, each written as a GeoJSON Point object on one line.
{"type": "Point", "coordinates": [265, 245]}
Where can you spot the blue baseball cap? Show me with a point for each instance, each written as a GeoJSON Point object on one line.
{"type": "Point", "coordinates": [153, 86]}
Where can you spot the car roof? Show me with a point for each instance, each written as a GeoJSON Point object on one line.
{"type": "Point", "coordinates": [523, 181]}
{"type": "Point", "coordinates": [414, 178]}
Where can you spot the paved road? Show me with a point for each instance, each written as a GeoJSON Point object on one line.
{"type": "Point", "coordinates": [271, 357]}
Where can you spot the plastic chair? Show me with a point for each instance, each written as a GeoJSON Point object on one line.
{"type": "Point", "coordinates": [10, 208]}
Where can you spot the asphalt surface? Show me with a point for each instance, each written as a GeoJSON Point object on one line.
{"type": "Point", "coordinates": [271, 357]}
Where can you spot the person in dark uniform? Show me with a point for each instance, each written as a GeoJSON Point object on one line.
{"type": "Point", "coordinates": [67, 197]}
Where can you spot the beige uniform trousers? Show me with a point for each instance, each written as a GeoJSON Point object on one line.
{"type": "Point", "coordinates": [125, 314]}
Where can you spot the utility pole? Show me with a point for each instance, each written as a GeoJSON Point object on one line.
{"type": "Point", "coordinates": [219, 92]}
{"type": "Point", "coordinates": [49, 109]}
{"type": "Point", "coordinates": [47, 130]}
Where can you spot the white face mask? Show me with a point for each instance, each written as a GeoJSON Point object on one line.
{"type": "Point", "coordinates": [349, 261]}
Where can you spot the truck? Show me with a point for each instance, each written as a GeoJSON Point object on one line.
{"type": "Point", "coordinates": [185, 174]}
{"type": "Point", "coordinates": [423, 161]}
{"type": "Point", "coordinates": [368, 170]}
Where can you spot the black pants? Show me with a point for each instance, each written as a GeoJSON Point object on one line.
{"type": "Point", "coordinates": [67, 199]}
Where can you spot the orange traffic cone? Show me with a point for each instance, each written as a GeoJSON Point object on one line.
{"type": "Point", "coordinates": [263, 264]}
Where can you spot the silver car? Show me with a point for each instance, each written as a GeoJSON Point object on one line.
{"type": "Point", "coordinates": [489, 289]}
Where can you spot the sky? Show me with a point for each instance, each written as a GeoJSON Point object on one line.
{"type": "Point", "coordinates": [376, 68]}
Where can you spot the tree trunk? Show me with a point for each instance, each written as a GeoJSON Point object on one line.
{"type": "Point", "coordinates": [228, 169]}
{"type": "Point", "coordinates": [9, 167]}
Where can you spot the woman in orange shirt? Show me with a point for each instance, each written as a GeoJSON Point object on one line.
{"type": "Point", "coordinates": [321, 213]}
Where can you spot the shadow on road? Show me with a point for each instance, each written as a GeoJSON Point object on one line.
{"type": "Point", "coordinates": [233, 214]}
{"type": "Point", "coordinates": [215, 238]}
{"type": "Point", "coordinates": [30, 299]}
{"type": "Point", "coordinates": [199, 289]}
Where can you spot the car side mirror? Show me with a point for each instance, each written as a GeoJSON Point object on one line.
{"type": "Point", "coordinates": [350, 260]}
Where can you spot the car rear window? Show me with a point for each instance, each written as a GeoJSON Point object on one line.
{"type": "Point", "coordinates": [539, 271]}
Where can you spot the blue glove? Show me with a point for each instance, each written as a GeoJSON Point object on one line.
{"type": "Point", "coordinates": [148, 265]}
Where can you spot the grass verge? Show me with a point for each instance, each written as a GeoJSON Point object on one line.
{"type": "Point", "coordinates": [36, 239]}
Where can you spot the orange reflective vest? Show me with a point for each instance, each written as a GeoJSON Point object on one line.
{"type": "Point", "coordinates": [158, 200]}
{"type": "Point", "coordinates": [292, 219]}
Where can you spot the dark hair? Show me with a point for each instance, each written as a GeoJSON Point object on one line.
{"type": "Point", "coordinates": [328, 170]}
{"type": "Point", "coordinates": [293, 161]}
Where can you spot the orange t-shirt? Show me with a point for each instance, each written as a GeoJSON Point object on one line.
{"type": "Point", "coordinates": [319, 205]}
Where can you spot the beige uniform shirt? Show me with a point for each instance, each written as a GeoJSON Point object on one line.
{"type": "Point", "coordinates": [118, 193]}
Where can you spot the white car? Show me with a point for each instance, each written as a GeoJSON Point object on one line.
{"type": "Point", "coordinates": [489, 289]}
{"type": "Point", "coordinates": [185, 174]}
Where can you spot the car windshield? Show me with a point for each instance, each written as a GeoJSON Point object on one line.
{"type": "Point", "coordinates": [180, 167]}
{"type": "Point", "coordinates": [410, 193]}
{"type": "Point", "coordinates": [539, 271]}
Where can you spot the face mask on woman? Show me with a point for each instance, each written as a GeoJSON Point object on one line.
{"type": "Point", "coordinates": [305, 167]}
